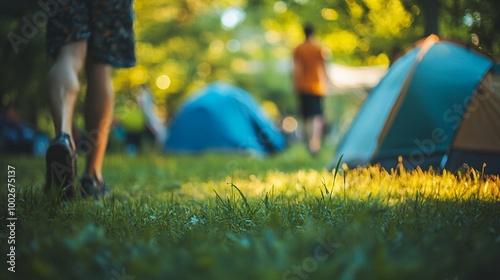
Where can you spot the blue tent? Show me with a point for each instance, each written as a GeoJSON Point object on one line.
{"type": "Point", "coordinates": [222, 117]}
{"type": "Point", "coordinates": [438, 105]}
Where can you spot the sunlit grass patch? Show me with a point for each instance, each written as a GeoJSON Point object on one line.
{"type": "Point", "coordinates": [235, 217]}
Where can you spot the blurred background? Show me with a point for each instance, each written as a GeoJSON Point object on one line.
{"type": "Point", "coordinates": [183, 45]}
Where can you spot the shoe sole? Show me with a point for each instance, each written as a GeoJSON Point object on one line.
{"type": "Point", "coordinates": [60, 168]}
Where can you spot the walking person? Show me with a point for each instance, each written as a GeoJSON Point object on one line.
{"type": "Point", "coordinates": [310, 83]}
{"type": "Point", "coordinates": [85, 36]}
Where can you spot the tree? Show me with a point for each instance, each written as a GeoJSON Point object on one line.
{"type": "Point", "coordinates": [431, 16]}
{"type": "Point", "coordinates": [464, 18]}
{"type": "Point", "coordinates": [182, 45]}
{"type": "Point", "coordinates": [458, 19]}
{"type": "Point", "coordinates": [23, 59]}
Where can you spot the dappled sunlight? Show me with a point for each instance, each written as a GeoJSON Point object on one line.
{"type": "Point", "coordinates": [345, 77]}
{"type": "Point", "coordinates": [174, 38]}
{"type": "Point", "coordinates": [271, 110]}
{"type": "Point", "coordinates": [390, 188]}
{"type": "Point", "coordinates": [233, 45]}
{"type": "Point", "coordinates": [280, 7]}
{"type": "Point", "coordinates": [271, 211]}
{"type": "Point", "coordinates": [389, 19]}
{"type": "Point", "coordinates": [272, 37]}
{"type": "Point", "coordinates": [231, 17]}
{"type": "Point", "coordinates": [289, 124]}
{"type": "Point", "coordinates": [329, 14]}
{"type": "Point", "coordinates": [208, 208]}
{"type": "Point", "coordinates": [147, 54]}
{"type": "Point", "coordinates": [399, 186]}
{"type": "Point", "coordinates": [163, 81]}
{"type": "Point", "coordinates": [355, 9]}
{"type": "Point", "coordinates": [342, 42]}
{"type": "Point", "coordinates": [257, 186]}
{"type": "Point", "coordinates": [199, 177]}
{"type": "Point", "coordinates": [203, 69]}
{"type": "Point", "coordinates": [216, 47]}
{"type": "Point", "coordinates": [138, 76]}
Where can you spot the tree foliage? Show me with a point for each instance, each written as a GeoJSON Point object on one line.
{"type": "Point", "coordinates": [182, 45]}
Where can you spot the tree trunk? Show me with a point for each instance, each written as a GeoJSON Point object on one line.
{"type": "Point", "coordinates": [431, 14]}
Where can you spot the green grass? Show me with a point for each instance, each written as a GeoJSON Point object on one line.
{"type": "Point", "coordinates": [235, 217]}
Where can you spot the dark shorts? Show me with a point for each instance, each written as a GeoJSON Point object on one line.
{"type": "Point", "coordinates": [107, 25]}
{"type": "Point", "coordinates": [310, 105]}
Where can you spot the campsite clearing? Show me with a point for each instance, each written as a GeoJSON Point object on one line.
{"type": "Point", "coordinates": [236, 217]}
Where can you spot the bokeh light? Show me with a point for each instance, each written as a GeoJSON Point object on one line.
{"type": "Point", "coordinates": [271, 109]}
{"type": "Point", "coordinates": [290, 124]}
{"type": "Point", "coordinates": [233, 45]}
{"type": "Point", "coordinates": [203, 69]}
{"type": "Point", "coordinates": [474, 39]}
{"type": "Point", "coordinates": [163, 82]}
{"type": "Point", "coordinates": [329, 14]}
{"type": "Point", "coordinates": [232, 17]}
{"type": "Point", "coordinates": [272, 37]}
{"type": "Point", "coordinates": [280, 7]}
{"type": "Point", "coordinates": [216, 47]}
{"type": "Point", "coordinates": [138, 75]}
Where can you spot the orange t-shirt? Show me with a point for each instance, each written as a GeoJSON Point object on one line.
{"type": "Point", "coordinates": [308, 69]}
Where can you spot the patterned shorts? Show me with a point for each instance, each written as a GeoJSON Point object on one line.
{"type": "Point", "coordinates": [107, 25]}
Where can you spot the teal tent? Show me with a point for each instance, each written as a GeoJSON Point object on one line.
{"type": "Point", "coordinates": [223, 118]}
{"type": "Point", "coordinates": [438, 105]}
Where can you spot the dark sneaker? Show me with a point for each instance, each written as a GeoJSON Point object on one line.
{"type": "Point", "coordinates": [60, 164]}
{"type": "Point", "coordinates": [91, 187]}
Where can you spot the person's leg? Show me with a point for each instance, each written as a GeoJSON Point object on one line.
{"type": "Point", "coordinates": [312, 111]}
{"type": "Point", "coordinates": [307, 130]}
{"type": "Point", "coordinates": [316, 134]}
{"type": "Point", "coordinates": [64, 85]}
{"type": "Point", "coordinates": [305, 111]}
{"type": "Point", "coordinates": [111, 45]}
{"type": "Point", "coordinates": [98, 115]}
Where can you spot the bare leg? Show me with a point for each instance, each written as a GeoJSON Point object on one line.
{"type": "Point", "coordinates": [63, 87]}
{"type": "Point", "coordinates": [308, 131]}
{"type": "Point", "coordinates": [99, 105]}
{"type": "Point", "coordinates": [317, 134]}
{"type": "Point", "coordinates": [64, 84]}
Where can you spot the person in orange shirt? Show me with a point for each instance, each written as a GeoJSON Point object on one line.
{"type": "Point", "coordinates": [310, 83]}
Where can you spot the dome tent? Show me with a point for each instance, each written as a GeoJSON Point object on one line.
{"type": "Point", "coordinates": [438, 105]}
{"type": "Point", "coordinates": [224, 118]}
